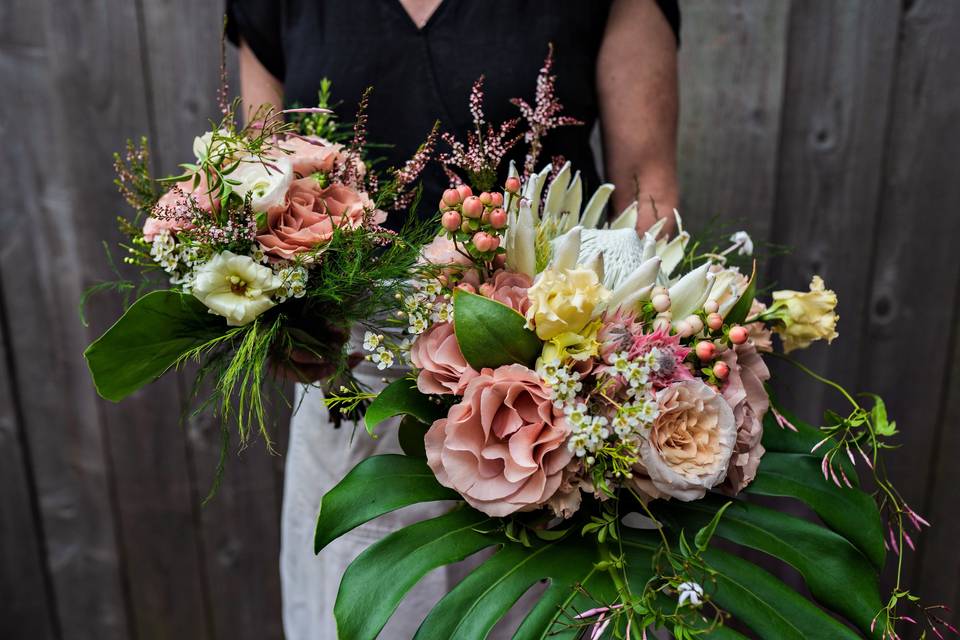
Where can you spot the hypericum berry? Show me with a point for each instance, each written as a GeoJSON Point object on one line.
{"type": "Point", "coordinates": [483, 241]}
{"type": "Point", "coordinates": [683, 329]}
{"type": "Point", "coordinates": [485, 198]}
{"type": "Point", "coordinates": [738, 334]}
{"type": "Point", "coordinates": [661, 302]}
{"type": "Point", "coordinates": [715, 321]}
{"type": "Point", "coordinates": [706, 350]}
{"type": "Point", "coordinates": [512, 185]}
{"type": "Point", "coordinates": [721, 370]}
{"type": "Point", "coordinates": [451, 197]}
{"type": "Point", "coordinates": [485, 217]}
{"type": "Point", "coordinates": [472, 207]}
{"type": "Point", "coordinates": [451, 221]}
{"type": "Point", "coordinates": [711, 306]}
{"type": "Point", "coordinates": [696, 324]}
{"type": "Point", "coordinates": [498, 218]}
{"type": "Point", "coordinates": [496, 199]}
{"type": "Point", "coordinates": [464, 191]}
{"type": "Point", "coordinates": [465, 227]}
{"type": "Point", "coordinates": [494, 242]}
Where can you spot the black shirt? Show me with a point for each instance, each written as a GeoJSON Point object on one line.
{"type": "Point", "coordinates": [421, 75]}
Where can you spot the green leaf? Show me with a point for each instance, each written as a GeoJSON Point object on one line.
{"type": "Point", "coordinates": [491, 334]}
{"type": "Point", "coordinates": [377, 580]}
{"type": "Point", "coordinates": [153, 334]}
{"type": "Point", "coordinates": [702, 539]}
{"type": "Point", "coordinates": [838, 575]}
{"type": "Point", "coordinates": [410, 434]}
{"type": "Point", "coordinates": [881, 424]}
{"type": "Point", "coordinates": [770, 608]}
{"type": "Point", "coordinates": [401, 397]}
{"type": "Point", "coordinates": [378, 485]}
{"type": "Point", "coordinates": [738, 313]}
{"type": "Point", "coordinates": [850, 512]}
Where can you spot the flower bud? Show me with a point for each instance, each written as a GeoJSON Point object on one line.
{"type": "Point", "coordinates": [483, 241]}
{"type": "Point", "coordinates": [451, 221]}
{"type": "Point", "coordinates": [738, 334]}
{"type": "Point", "coordinates": [706, 350]}
{"type": "Point", "coordinates": [715, 321]}
{"type": "Point", "coordinates": [661, 302]}
{"type": "Point", "coordinates": [451, 197]}
{"type": "Point", "coordinates": [512, 185]}
{"type": "Point", "coordinates": [498, 218]}
{"type": "Point", "coordinates": [696, 324]}
{"type": "Point", "coordinates": [464, 191]}
{"type": "Point", "coordinates": [721, 370]}
{"type": "Point", "coordinates": [472, 207]}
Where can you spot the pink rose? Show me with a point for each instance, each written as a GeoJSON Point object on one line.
{"type": "Point", "coordinates": [309, 215]}
{"type": "Point", "coordinates": [175, 210]}
{"type": "Point", "coordinates": [312, 155]}
{"type": "Point", "coordinates": [503, 447]}
{"type": "Point", "coordinates": [509, 288]}
{"type": "Point", "coordinates": [745, 394]}
{"type": "Point", "coordinates": [436, 354]}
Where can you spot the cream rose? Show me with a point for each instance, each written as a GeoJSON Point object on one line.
{"type": "Point", "coordinates": [689, 445]}
{"type": "Point", "coordinates": [803, 317]}
{"type": "Point", "coordinates": [235, 287]}
{"type": "Point", "coordinates": [564, 300]}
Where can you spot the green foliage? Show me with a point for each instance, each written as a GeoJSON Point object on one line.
{"type": "Point", "coordinates": [153, 335]}
{"type": "Point", "coordinates": [593, 560]}
{"type": "Point", "coordinates": [491, 334]}
{"type": "Point", "coordinates": [401, 397]}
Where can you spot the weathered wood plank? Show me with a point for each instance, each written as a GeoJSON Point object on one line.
{"type": "Point", "coordinates": [241, 525]}
{"type": "Point", "coordinates": [915, 273]}
{"type": "Point", "coordinates": [42, 279]}
{"type": "Point", "coordinates": [839, 78]}
{"type": "Point", "coordinates": [732, 65]}
{"type": "Point", "coordinates": [28, 608]}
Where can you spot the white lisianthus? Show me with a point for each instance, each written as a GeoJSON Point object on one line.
{"type": "Point", "coordinates": [235, 287]}
{"type": "Point", "coordinates": [206, 148]}
{"type": "Point", "coordinates": [266, 181]}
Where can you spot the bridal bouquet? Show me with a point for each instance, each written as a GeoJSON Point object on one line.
{"type": "Point", "coordinates": [272, 245]}
{"type": "Point", "coordinates": [595, 401]}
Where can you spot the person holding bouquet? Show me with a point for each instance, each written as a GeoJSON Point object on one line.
{"type": "Point", "coordinates": [616, 64]}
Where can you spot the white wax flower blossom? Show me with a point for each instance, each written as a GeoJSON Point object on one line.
{"type": "Point", "coordinates": [743, 242]}
{"type": "Point", "coordinates": [690, 593]}
{"type": "Point", "coordinates": [371, 341]}
{"type": "Point", "coordinates": [265, 180]}
{"type": "Point", "coordinates": [383, 358]}
{"type": "Point", "coordinates": [235, 287]}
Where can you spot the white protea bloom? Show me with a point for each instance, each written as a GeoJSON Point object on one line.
{"type": "Point", "coordinates": [235, 287]}
{"type": "Point", "coordinates": [266, 181]}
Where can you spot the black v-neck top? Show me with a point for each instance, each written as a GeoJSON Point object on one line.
{"type": "Point", "coordinates": [422, 75]}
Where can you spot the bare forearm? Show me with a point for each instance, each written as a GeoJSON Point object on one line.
{"type": "Point", "coordinates": [257, 85]}
{"type": "Point", "coordinates": [637, 87]}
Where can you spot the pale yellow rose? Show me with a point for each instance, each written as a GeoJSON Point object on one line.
{"type": "Point", "coordinates": [564, 301]}
{"type": "Point", "coordinates": [803, 317]}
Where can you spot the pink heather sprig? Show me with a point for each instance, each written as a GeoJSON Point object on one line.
{"type": "Point", "coordinates": [544, 115]}
{"type": "Point", "coordinates": [415, 165]}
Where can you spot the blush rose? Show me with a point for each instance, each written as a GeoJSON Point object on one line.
{"type": "Point", "coordinates": [436, 353]}
{"type": "Point", "coordinates": [503, 447]}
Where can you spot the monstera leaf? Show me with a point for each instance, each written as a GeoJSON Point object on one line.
{"type": "Point", "coordinates": [839, 559]}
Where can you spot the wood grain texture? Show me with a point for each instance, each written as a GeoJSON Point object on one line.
{"type": "Point", "coordinates": [835, 118]}
{"type": "Point", "coordinates": [915, 274]}
{"type": "Point", "coordinates": [43, 275]}
{"type": "Point", "coordinates": [732, 66]}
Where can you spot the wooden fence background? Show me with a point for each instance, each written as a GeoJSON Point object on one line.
{"type": "Point", "coordinates": [832, 127]}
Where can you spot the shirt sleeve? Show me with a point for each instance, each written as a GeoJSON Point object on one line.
{"type": "Point", "coordinates": [671, 11]}
{"type": "Point", "coordinates": [259, 23]}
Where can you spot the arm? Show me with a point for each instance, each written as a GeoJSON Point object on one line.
{"type": "Point", "coordinates": [637, 88]}
{"type": "Point", "coordinates": [257, 85]}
